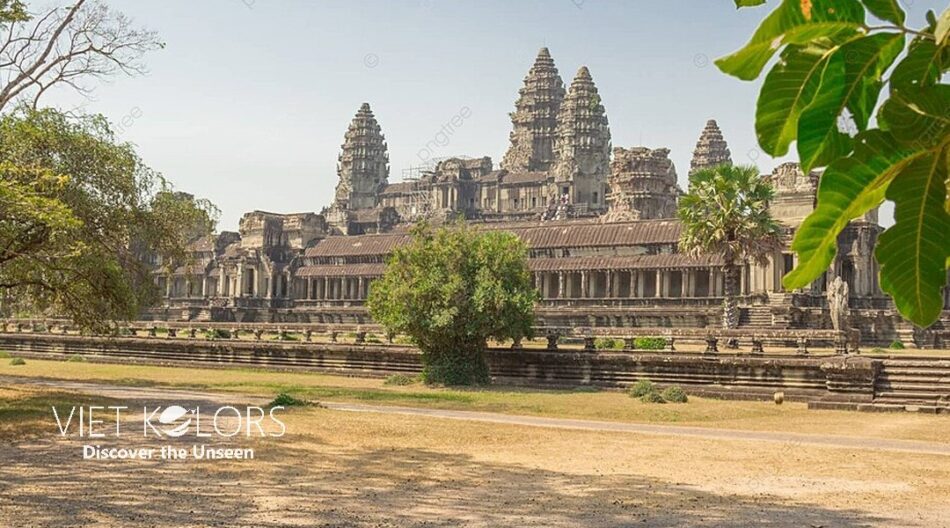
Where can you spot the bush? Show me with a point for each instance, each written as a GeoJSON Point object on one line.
{"type": "Point", "coordinates": [896, 345]}
{"type": "Point", "coordinates": [286, 400]}
{"type": "Point", "coordinates": [652, 397]}
{"type": "Point", "coordinates": [674, 394]}
{"type": "Point", "coordinates": [218, 333]}
{"type": "Point", "coordinates": [608, 343]}
{"type": "Point", "coordinates": [284, 336]}
{"type": "Point", "coordinates": [877, 350]}
{"type": "Point", "coordinates": [400, 379]}
{"type": "Point", "coordinates": [649, 343]}
{"type": "Point", "coordinates": [17, 361]}
{"type": "Point", "coordinates": [76, 358]}
{"type": "Point", "coordinates": [641, 387]}
{"type": "Point", "coordinates": [4, 354]}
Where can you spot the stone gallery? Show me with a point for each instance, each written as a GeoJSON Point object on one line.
{"type": "Point", "coordinates": [600, 224]}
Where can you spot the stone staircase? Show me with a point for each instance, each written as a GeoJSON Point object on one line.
{"type": "Point", "coordinates": [756, 316]}
{"type": "Point", "coordinates": [913, 384]}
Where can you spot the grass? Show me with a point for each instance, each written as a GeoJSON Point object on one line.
{"type": "Point", "coordinates": [610, 405]}
{"type": "Point", "coordinates": [27, 412]}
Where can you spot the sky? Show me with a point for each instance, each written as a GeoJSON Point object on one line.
{"type": "Point", "coordinates": [248, 102]}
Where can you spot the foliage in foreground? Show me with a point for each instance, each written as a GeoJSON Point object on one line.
{"type": "Point", "coordinates": [726, 213]}
{"type": "Point", "coordinates": [822, 93]}
{"type": "Point", "coordinates": [452, 289]}
{"type": "Point", "coordinates": [81, 217]}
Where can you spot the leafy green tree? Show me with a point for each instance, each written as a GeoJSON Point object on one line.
{"type": "Point", "coordinates": [726, 213]}
{"type": "Point", "coordinates": [452, 289]}
{"type": "Point", "coordinates": [832, 66]}
{"type": "Point", "coordinates": [81, 217]}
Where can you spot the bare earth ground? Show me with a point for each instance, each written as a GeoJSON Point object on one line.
{"type": "Point", "coordinates": [337, 468]}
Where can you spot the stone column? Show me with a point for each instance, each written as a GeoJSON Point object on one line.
{"type": "Point", "coordinates": [309, 289]}
{"type": "Point", "coordinates": [359, 288]}
{"type": "Point", "coordinates": [560, 285]}
{"type": "Point", "coordinates": [660, 279]}
{"type": "Point", "coordinates": [608, 285]}
{"type": "Point", "coordinates": [585, 280]}
{"type": "Point", "coordinates": [204, 286]}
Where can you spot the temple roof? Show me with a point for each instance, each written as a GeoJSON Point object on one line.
{"type": "Point", "coordinates": [553, 235]}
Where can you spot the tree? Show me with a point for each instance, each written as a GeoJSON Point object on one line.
{"type": "Point", "coordinates": [451, 290]}
{"type": "Point", "coordinates": [831, 70]}
{"type": "Point", "coordinates": [726, 213]}
{"type": "Point", "coordinates": [65, 46]}
{"type": "Point", "coordinates": [80, 217]}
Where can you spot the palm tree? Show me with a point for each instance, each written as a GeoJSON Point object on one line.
{"type": "Point", "coordinates": [726, 213]}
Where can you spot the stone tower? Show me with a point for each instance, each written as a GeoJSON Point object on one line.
{"type": "Point", "coordinates": [534, 121]}
{"type": "Point", "coordinates": [583, 144]}
{"type": "Point", "coordinates": [711, 149]}
{"type": "Point", "coordinates": [363, 164]}
{"type": "Point", "coordinates": [642, 185]}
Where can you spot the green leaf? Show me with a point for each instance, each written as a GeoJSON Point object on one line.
{"type": "Point", "coordinates": [852, 80]}
{"type": "Point", "coordinates": [921, 66]}
{"type": "Point", "coordinates": [913, 252]}
{"type": "Point", "coordinates": [748, 3]}
{"type": "Point", "coordinates": [787, 24]}
{"type": "Point", "coordinates": [787, 90]}
{"type": "Point", "coordinates": [888, 10]}
{"type": "Point", "coordinates": [819, 140]}
{"type": "Point", "coordinates": [918, 117]}
{"type": "Point", "coordinates": [943, 26]}
{"type": "Point", "coordinates": [848, 188]}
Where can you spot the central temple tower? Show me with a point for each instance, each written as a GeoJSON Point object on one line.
{"type": "Point", "coordinates": [583, 144]}
{"type": "Point", "coordinates": [534, 121]}
{"type": "Point", "coordinates": [363, 166]}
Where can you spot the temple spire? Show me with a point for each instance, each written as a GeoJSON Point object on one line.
{"type": "Point", "coordinates": [711, 149]}
{"type": "Point", "coordinates": [363, 163]}
{"type": "Point", "coordinates": [534, 121]}
{"type": "Point", "coordinates": [583, 143]}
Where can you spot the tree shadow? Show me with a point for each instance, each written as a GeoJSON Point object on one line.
{"type": "Point", "coordinates": [299, 481]}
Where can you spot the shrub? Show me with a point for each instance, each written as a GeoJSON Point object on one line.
{"type": "Point", "coordinates": [652, 397]}
{"type": "Point", "coordinates": [218, 333]}
{"type": "Point", "coordinates": [641, 387]}
{"type": "Point", "coordinates": [76, 358]}
{"type": "Point", "coordinates": [649, 343]}
{"type": "Point", "coordinates": [877, 350]}
{"type": "Point", "coordinates": [4, 354]}
{"type": "Point", "coordinates": [371, 338]}
{"type": "Point", "coordinates": [286, 400]}
{"type": "Point", "coordinates": [400, 379]}
{"type": "Point", "coordinates": [608, 343]}
{"type": "Point", "coordinates": [284, 336]}
{"type": "Point", "coordinates": [674, 394]}
{"type": "Point", "coordinates": [17, 361]}
{"type": "Point", "coordinates": [896, 345]}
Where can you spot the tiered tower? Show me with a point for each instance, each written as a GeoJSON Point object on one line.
{"type": "Point", "coordinates": [711, 149]}
{"type": "Point", "coordinates": [583, 144]}
{"type": "Point", "coordinates": [642, 185]}
{"type": "Point", "coordinates": [363, 164]}
{"type": "Point", "coordinates": [534, 121]}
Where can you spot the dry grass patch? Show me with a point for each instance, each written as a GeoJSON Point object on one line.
{"type": "Point", "coordinates": [597, 405]}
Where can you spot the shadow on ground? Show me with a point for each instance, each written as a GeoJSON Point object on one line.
{"type": "Point", "coordinates": [298, 481]}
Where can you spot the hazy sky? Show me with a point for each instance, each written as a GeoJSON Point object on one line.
{"type": "Point", "coordinates": [248, 102]}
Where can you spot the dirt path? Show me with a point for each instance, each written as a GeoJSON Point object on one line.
{"type": "Point", "coordinates": [709, 433]}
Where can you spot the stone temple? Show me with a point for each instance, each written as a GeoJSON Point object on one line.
{"type": "Point", "coordinates": [600, 224]}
